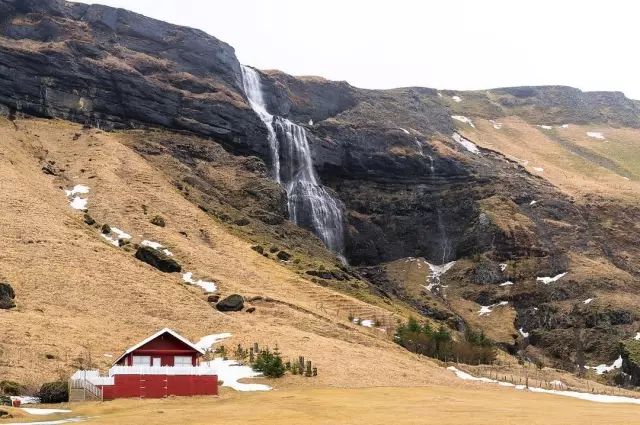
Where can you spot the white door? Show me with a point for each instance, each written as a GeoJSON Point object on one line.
{"type": "Point", "coordinates": [156, 361]}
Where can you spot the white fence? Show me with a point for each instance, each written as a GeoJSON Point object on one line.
{"type": "Point", "coordinates": [162, 370]}
{"type": "Point", "coordinates": [90, 381]}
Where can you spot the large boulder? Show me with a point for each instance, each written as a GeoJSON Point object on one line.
{"type": "Point", "coordinates": [158, 259]}
{"type": "Point", "coordinates": [7, 295]}
{"type": "Point", "coordinates": [233, 302]}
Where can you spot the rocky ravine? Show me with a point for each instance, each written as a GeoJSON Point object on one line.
{"type": "Point", "coordinates": [408, 187]}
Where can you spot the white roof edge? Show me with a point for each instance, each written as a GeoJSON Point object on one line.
{"type": "Point", "coordinates": [154, 336]}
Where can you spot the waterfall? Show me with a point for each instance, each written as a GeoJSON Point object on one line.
{"type": "Point", "coordinates": [253, 90]}
{"type": "Point", "coordinates": [309, 204]}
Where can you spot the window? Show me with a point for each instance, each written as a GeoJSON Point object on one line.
{"type": "Point", "coordinates": [182, 361]}
{"type": "Point", "coordinates": [142, 360]}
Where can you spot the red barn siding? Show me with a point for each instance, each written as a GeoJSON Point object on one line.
{"type": "Point", "coordinates": [159, 386]}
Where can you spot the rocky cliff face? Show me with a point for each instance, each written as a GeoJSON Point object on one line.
{"type": "Point", "coordinates": [112, 68]}
{"type": "Point", "coordinates": [410, 189]}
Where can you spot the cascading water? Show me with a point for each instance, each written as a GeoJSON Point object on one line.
{"type": "Point", "coordinates": [310, 205]}
{"type": "Point", "coordinates": [253, 90]}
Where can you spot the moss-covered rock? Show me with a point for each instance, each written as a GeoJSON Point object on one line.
{"type": "Point", "coordinates": [630, 351]}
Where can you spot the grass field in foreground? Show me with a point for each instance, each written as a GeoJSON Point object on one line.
{"type": "Point", "coordinates": [462, 404]}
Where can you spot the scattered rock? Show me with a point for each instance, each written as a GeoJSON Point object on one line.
{"type": "Point", "coordinates": [5, 400]}
{"type": "Point", "coordinates": [273, 249]}
{"type": "Point", "coordinates": [158, 221]}
{"type": "Point", "coordinates": [106, 229]}
{"type": "Point", "coordinates": [213, 298]}
{"type": "Point", "coordinates": [89, 220]}
{"type": "Point", "coordinates": [7, 295]}
{"type": "Point", "coordinates": [250, 310]}
{"type": "Point", "coordinates": [243, 221]}
{"type": "Point", "coordinates": [76, 136]}
{"type": "Point", "coordinates": [158, 259]}
{"type": "Point", "coordinates": [258, 248]}
{"type": "Point", "coordinates": [51, 169]}
{"type": "Point", "coordinates": [233, 302]}
{"type": "Point", "coordinates": [5, 414]}
{"type": "Point", "coordinates": [284, 256]}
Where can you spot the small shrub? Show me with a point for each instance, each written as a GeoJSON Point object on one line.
{"type": "Point", "coordinates": [11, 388]}
{"type": "Point", "coordinates": [270, 364]}
{"type": "Point", "coordinates": [54, 392]}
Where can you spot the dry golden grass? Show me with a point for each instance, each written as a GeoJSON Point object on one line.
{"type": "Point", "coordinates": [76, 293]}
{"type": "Point", "coordinates": [468, 404]}
{"type": "Point", "coordinates": [575, 174]}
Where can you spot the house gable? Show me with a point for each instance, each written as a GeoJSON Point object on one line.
{"type": "Point", "coordinates": [164, 341]}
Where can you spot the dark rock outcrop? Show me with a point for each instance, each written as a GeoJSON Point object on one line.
{"type": "Point", "coordinates": [112, 68]}
{"type": "Point", "coordinates": [233, 302]}
{"type": "Point", "coordinates": [7, 296]}
{"type": "Point", "coordinates": [157, 259]}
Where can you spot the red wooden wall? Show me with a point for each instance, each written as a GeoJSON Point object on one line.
{"type": "Point", "coordinates": [158, 386]}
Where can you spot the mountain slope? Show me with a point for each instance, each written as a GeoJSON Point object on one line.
{"type": "Point", "coordinates": [490, 179]}
{"type": "Point", "coordinates": [75, 292]}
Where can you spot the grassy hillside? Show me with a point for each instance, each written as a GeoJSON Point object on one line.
{"type": "Point", "coordinates": [76, 294]}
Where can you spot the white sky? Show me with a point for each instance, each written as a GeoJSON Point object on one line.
{"type": "Point", "coordinates": [453, 44]}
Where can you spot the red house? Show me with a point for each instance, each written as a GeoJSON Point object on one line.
{"type": "Point", "coordinates": [164, 364]}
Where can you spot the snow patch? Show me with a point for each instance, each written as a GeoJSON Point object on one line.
{"type": "Point", "coordinates": [25, 399]}
{"type": "Point", "coordinates": [588, 300]}
{"type": "Point", "coordinates": [467, 144]}
{"type": "Point", "coordinates": [463, 119]}
{"type": "Point", "coordinates": [533, 202]}
{"type": "Point", "coordinates": [637, 337]}
{"type": "Point", "coordinates": [120, 234]}
{"type": "Point", "coordinates": [75, 201]}
{"type": "Point", "coordinates": [598, 398]}
{"type": "Point", "coordinates": [487, 309]}
{"type": "Point", "coordinates": [565, 126]}
{"type": "Point", "coordinates": [156, 245]}
{"type": "Point", "coordinates": [496, 125]}
{"type": "Point", "coordinates": [35, 411]}
{"type": "Point", "coordinates": [603, 368]}
{"type": "Point", "coordinates": [115, 236]}
{"type": "Point", "coordinates": [78, 203]}
{"type": "Point", "coordinates": [436, 272]}
{"type": "Point", "coordinates": [548, 280]}
{"type": "Point", "coordinates": [206, 342]}
{"type": "Point", "coordinates": [545, 127]}
{"type": "Point", "coordinates": [78, 189]}
{"type": "Point", "coordinates": [503, 266]}
{"type": "Point", "coordinates": [206, 285]}
{"type": "Point", "coordinates": [404, 130]}
{"type": "Point", "coordinates": [507, 283]}
{"type": "Point", "coordinates": [456, 99]}
{"type": "Point", "coordinates": [230, 372]}
{"type": "Point", "coordinates": [523, 333]}
{"type": "Point", "coordinates": [57, 422]}
{"type": "Point", "coordinates": [310, 122]}
{"type": "Point", "coordinates": [595, 135]}
{"type": "Point", "coordinates": [367, 323]}
{"type": "Point", "coordinates": [539, 169]}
